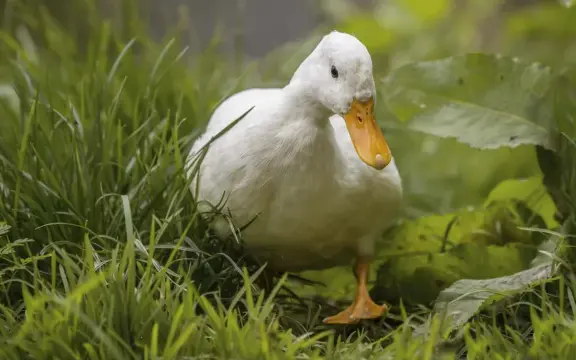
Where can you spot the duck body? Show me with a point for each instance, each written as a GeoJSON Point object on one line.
{"type": "Point", "coordinates": [307, 169]}
{"type": "Point", "coordinates": [316, 204]}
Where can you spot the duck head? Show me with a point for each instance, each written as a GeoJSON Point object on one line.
{"type": "Point", "coordinates": [338, 76]}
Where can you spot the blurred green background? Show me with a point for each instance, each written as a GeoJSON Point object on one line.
{"type": "Point", "coordinates": [265, 40]}
{"type": "Point", "coordinates": [274, 36]}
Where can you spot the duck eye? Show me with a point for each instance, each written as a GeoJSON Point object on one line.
{"type": "Point", "coordinates": [334, 72]}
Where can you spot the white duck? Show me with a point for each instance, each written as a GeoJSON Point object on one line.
{"type": "Point", "coordinates": [323, 186]}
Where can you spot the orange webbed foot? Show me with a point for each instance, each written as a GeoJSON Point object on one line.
{"type": "Point", "coordinates": [362, 309]}
{"type": "Point", "coordinates": [363, 306]}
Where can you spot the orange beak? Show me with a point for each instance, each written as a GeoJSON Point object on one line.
{"type": "Point", "coordinates": [368, 140]}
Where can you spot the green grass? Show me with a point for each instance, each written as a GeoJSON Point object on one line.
{"type": "Point", "coordinates": [103, 254]}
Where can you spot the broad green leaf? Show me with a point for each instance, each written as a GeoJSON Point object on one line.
{"type": "Point", "coordinates": [441, 175]}
{"type": "Point", "coordinates": [463, 299]}
{"type": "Point", "coordinates": [417, 259]}
{"type": "Point", "coordinates": [485, 101]}
{"type": "Point", "coordinates": [532, 192]}
{"type": "Point", "coordinates": [419, 279]}
{"type": "Point", "coordinates": [559, 167]}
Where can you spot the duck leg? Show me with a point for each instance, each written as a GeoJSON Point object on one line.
{"type": "Point", "coordinates": [363, 306]}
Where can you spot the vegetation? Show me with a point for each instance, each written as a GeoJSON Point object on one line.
{"type": "Point", "coordinates": [103, 255]}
